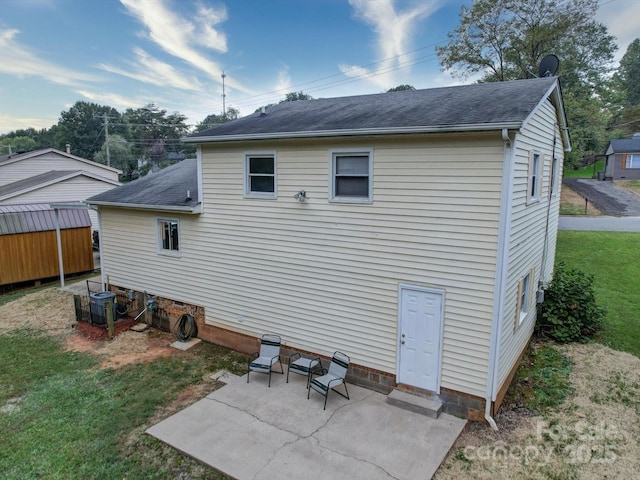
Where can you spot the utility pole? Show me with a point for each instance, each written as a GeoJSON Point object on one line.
{"type": "Point", "coordinates": [106, 138]}
{"type": "Point", "coordinates": [224, 107]}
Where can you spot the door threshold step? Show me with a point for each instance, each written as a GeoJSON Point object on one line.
{"type": "Point", "coordinates": [430, 407]}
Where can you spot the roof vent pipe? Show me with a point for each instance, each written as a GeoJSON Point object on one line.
{"type": "Point", "coordinates": [68, 148]}
{"type": "Point", "coordinates": [263, 111]}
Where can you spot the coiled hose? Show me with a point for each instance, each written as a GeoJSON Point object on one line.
{"type": "Point", "coordinates": [186, 328]}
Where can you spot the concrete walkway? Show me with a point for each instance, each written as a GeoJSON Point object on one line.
{"type": "Point", "coordinates": [603, 224]}
{"type": "Point", "coordinates": [250, 431]}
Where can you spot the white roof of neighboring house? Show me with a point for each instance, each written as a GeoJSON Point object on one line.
{"type": "Point", "coordinates": [16, 157]}
{"type": "Point", "coordinates": [44, 180]}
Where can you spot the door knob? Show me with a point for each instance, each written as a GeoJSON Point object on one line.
{"type": "Point", "coordinates": [402, 342]}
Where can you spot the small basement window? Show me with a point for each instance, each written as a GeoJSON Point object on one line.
{"type": "Point", "coordinates": [168, 236]}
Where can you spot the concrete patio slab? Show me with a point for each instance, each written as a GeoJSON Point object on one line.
{"type": "Point", "coordinates": [251, 431]}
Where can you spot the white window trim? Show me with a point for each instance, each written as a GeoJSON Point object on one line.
{"type": "Point", "coordinates": [332, 168]}
{"type": "Point", "coordinates": [553, 180]}
{"type": "Point", "coordinates": [630, 158]}
{"type": "Point", "coordinates": [534, 197]}
{"type": "Point", "coordinates": [524, 291]}
{"type": "Point", "coordinates": [247, 184]}
{"type": "Point", "coordinates": [161, 250]}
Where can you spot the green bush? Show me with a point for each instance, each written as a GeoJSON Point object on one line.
{"type": "Point", "coordinates": [569, 312]}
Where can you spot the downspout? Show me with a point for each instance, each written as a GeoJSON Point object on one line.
{"type": "Point", "coordinates": [100, 243]}
{"type": "Point", "coordinates": [502, 260]}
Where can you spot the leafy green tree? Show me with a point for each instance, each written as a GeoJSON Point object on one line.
{"type": "Point", "coordinates": [154, 133]}
{"type": "Point", "coordinates": [120, 154]}
{"type": "Point", "coordinates": [295, 96]}
{"type": "Point", "coordinates": [289, 97]}
{"type": "Point", "coordinates": [401, 88]}
{"type": "Point", "coordinates": [214, 119]}
{"type": "Point", "coordinates": [16, 144]}
{"type": "Point", "coordinates": [506, 39]}
{"type": "Point", "coordinates": [82, 126]}
{"type": "Point", "coordinates": [627, 78]}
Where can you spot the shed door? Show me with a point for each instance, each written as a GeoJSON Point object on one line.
{"type": "Point", "coordinates": [420, 332]}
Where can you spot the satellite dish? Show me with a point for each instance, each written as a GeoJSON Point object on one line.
{"type": "Point", "coordinates": [548, 66]}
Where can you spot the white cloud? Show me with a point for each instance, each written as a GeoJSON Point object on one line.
{"type": "Point", "coordinates": [9, 123]}
{"type": "Point", "coordinates": [148, 69]}
{"type": "Point", "coordinates": [179, 36]}
{"type": "Point", "coordinates": [18, 60]}
{"type": "Point", "coordinates": [113, 99]}
{"type": "Point", "coordinates": [210, 37]}
{"type": "Point", "coordinates": [393, 31]}
{"type": "Point", "coordinates": [284, 81]}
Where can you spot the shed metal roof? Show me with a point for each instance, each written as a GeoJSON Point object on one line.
{"type": "Point", "coordinates": [38, 217]}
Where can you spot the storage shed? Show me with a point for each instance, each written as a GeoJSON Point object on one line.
{"type": "Point", "coordinates": [28, 249]}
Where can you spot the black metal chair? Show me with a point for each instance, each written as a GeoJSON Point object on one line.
{"type": "Point", "coordinates": [268, 356]}
{"type": "Point", "coordinates": [331, 378]}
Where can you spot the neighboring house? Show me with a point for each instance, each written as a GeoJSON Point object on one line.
{"type": "Point", "coordinates": [411, 230]}
{"type": "Point", "coordinates": [28, 244]}
{"type": "Point", "coordinates": [623, 158]}
{"type": "Point", "coordinates": [51, 175]}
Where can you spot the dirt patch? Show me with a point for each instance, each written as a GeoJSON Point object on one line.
{"type": "Point", "coordinates": [593, 435]}
{"type": "Point", "coordinates": [574, 204]}
{"type": "Point", "coordinates": [52, 311]}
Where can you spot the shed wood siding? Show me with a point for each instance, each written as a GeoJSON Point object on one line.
{"type": "Point", "coordinates": [529, 222]}
{"type": "Point", "coordinates": [19, 170]}
{"type": "Point", "coordinates": [75, 189]}
{"type": "Point", "coordinates": [325, 275]}
{"type": "Point", "coordinates": [32, 256]}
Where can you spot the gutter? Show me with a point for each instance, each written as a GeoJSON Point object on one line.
{"type": "Point", "coordinates": [138, 206]}
{"type": "Point", "coordinates": [502, 260]}
{"type": "Point", "coordinates": [476, 127]}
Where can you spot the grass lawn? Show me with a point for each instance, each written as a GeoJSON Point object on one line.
{"type": "Point", "coordinates": [63, 417]}
{"type": "Point", "coordinates": [612, 258]}
{"type": "Point", "coordinates": [584, 172]}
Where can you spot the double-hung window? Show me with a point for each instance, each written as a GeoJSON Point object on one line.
{"type": "Point", "coordinates": [351, 176]}
{"type": "Point", "coordinates": [534, 185]}
{"type": "Point", "coordinates": [260, 175]}
{"type": "Point", "coordinates": [168, 237]}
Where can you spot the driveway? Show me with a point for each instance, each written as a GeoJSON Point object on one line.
{"type": "Point", "coordinates": [250, 431]}
{"type": "Point", "coordinates": [606, 196]}
{"type": "Point", "coordinates": [600, 224]}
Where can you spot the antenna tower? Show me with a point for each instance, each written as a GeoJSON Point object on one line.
{"type": "Point", "coordinates": [224, 95]}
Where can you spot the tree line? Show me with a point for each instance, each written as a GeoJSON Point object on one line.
{"type": "Point", "coordinates": [495, 40]}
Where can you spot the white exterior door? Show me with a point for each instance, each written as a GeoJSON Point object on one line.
{"type": "Point", "coordinates": [420, 337]}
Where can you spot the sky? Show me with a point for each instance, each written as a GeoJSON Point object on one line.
{"type": "Point", "coordinates": [129, 53]}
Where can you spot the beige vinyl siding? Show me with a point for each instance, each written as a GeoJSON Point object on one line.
{"type": "Point", "coordinates": [75, 189]}
{"type": "Point", "coordinates": [325, 275]}
{"type": "Point", "coordinates": [28, 167]}
{"type": "Point", "coordinates": [528, 224]}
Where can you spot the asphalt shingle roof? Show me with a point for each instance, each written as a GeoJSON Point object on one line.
{"type": "Point", "coordinates": [34, 181]}
{"type": "Point", "coordinates": [623, 145]}
{"type": "Point", "coordinates": [478, 104]}
{"type": "Point", "coordinates": [166, 188]}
